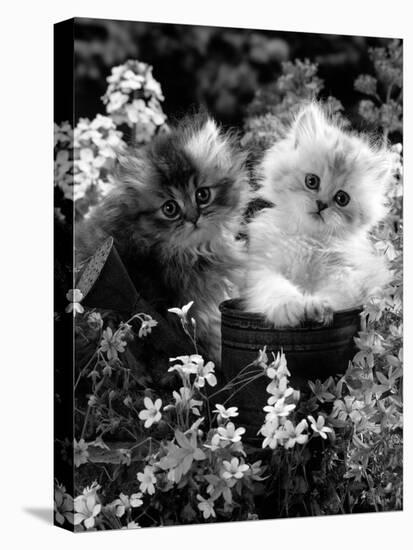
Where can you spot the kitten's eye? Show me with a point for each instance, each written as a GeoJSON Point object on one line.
{"type": "Point", "coordinates": [171, 209]}
{"type": "Point", "coordinates": [312, 181]}
{"type": "Point", "coordinates": [342, 198]}
{"type": "Point", "coordinates": [202, 195]}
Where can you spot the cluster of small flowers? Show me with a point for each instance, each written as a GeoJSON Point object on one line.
{"type": "Point", "coordinates": [216, 458]}
{"type": "Point", "coordinates": [184, 398]}
{"type": "Point", "coordinates": [278, 429]}
{"type": "Point", "coordinates": [374, 378]}
{"type": "Point", "coordinates": [228, 470]}
{"type": "Point", "coordinates": [133, 97]}
{"type": "Point", "coordinates": [114, 342]}
{"type": "Point", "coordinates": [63, 158]}
{"type": "Point", "coordinates": [216, 461]}
{"type": "Point", "coordinates": [84, 157]}
{"type": "Point", "coordinates": [194, 364]}
{"type": "Point", "coordinates": [86, 510]}
{"type": "Point", "coordinates": [96, 145]}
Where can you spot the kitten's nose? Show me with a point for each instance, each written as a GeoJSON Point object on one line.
{"type": "Point", "coordinates": [321, 205]}
{"type": "Point", "coordinates": [192, 217]}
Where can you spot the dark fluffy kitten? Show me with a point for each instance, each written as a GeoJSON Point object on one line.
{"type": "Point", "coordinates": [174, 215]}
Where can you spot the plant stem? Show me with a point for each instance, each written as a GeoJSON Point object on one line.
{"type": "Point", "coordinates": [82, 435]}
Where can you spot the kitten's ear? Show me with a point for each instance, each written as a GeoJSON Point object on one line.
{"type": "Point", "coordinates": [210, 129]}
{"type": "Point", "coordinates": [309, 123]}
{"type": "Point", "coordinates": [206, 136]}
{"type": "Point", "coordinates": [207, 145]}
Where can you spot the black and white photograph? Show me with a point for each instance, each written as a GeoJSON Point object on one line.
{"type": "Point", "coordinates": [228, 299]}
{"type": "Point", "coordinates": [205, 242]}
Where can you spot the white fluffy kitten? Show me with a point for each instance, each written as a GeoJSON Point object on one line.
{"type": "Point", "coordinates": [310, 254]}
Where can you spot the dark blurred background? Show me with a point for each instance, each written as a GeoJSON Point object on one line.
{"type": "Point", "coordinates": [220, 68]}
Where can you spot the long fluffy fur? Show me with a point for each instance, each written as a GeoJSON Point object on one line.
{"type": "Point", "coordinates": [173, 262]}
{"type": "Point", "coordinates": [302, 264]}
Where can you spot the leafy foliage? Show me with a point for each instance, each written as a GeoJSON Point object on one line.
{"type": "Point", "coordinates": [383, 110]}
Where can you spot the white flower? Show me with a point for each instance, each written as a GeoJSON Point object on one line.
{"type": "Point", "coordinates": [153, 87]}
{"type": "Point", "coordinates": [189, 364]}
{"type": "Point", "coordinates": [225, 414]}
{"type": "Point", "coordinates": [234, 469]}
{"type": "Point", "coordinates": [91, 489]}
{"type": "Point", "coordinates": [280, 365]}
{"type": "Point", "coordinates": [112, 343]}
{"type": "Point", "coordinates": [182, 313]}
{"type": "Point", "coordinates": [137, 111]}
{"type": "Point", "coordinates": [124, 503]}
{"type": "Point", "coordinates": [89, 163]}
{"type": "Point", "coordinates": [91, 156]}
{"type": "Point", "coordinates": [277, 368]}
{"type": "Point", "coordinates": [319, 427]}
{"type": "Point", "coordinates": [349, 407]}
{"type": "Point", "coordinates": [86, 509]}
{"type": "Point", "coordinates": [229, 433]}
{"type": "Point", "coordinates": [80, 452]}
{"type": "Point", "coordinates": [135, 500]}
{"type": "Point", "coordinates": [133, 97]}
{"type": "Point", "coordinates": [101, 122]}
{"type": "Point", "coordinates": [279, 408]}
{"type": "Point", "coordinates": [279, 389]}
{"type": "Point", "coordinates": [132, 84]}
{"type": "Point", "coordinates": [74, 296]}
{"type": "Point", "coordinates": [271, 432]}
{"type": "Point", "coordinates": [293, 434]}
{"type": "Point", "coordinates": [147, 480]}
{"type": "Point", "coordinates": [206, 506]}
{"type": "Point", "coordinates": [116, 101]}
{"type": "Point", "coordinates": [146, 326]}
{"type": "Point", "coordinates": [151, 414]}
{"type": "Point", "coordinates": [205, 374]}
{"type": "Point", "coordinates": [117, 73]}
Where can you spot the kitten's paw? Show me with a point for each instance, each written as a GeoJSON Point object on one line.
{"type": "Point", "coordinates": [289, 314]}
{"type": "Point", "coordinates": [318, 310]}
